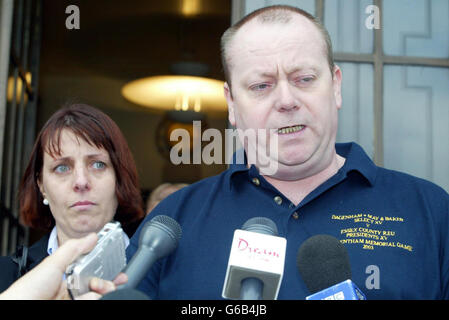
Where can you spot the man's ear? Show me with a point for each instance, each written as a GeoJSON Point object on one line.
{"type": "Point", "coordinates": [230, 102]}
{"type": "Point", "coordinates": [337, 86]}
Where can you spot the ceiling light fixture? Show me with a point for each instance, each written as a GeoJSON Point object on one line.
{"type": "Point", "coordinates": [177, 92]}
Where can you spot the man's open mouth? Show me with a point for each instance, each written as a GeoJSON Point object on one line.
{"type": "Point", "coordinates": [290, 129]}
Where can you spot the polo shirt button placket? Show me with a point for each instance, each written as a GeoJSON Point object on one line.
{"type": "Point", "coordinates": [256, 181]}
{"type": "Point", "coordinates": [295, 214]}
{"type": "Point", "coordinates": [278, 200]}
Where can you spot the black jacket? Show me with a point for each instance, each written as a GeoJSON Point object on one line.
{"type": "Point", "coordinates": [10, 270]}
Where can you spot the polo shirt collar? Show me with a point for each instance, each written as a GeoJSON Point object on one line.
{"type": "Point", "coordinates": [356, 161]}
{"type": "Point", "coordinates": [239, 162]}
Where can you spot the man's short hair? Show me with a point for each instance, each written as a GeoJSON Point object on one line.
{"type": "Point", "coordinates": [272, 14]}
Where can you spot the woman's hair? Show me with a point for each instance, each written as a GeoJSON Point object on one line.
{"type": "Point", "coordinates": [96, 128]}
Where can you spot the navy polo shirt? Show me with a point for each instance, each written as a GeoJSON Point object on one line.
{"type": "Point", "coordinates": [394, 226]}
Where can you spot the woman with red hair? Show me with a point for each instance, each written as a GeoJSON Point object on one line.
{"type": "Point", "coordinates": [80, 176]}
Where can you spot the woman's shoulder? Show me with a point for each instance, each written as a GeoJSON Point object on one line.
{"type": "Point", "coordinates": [20, 262]}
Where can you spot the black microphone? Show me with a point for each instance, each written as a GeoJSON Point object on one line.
{"type": "Point", "coordinates": [323, 263]}
{"type": "Point", "coordinates": [125, 294]}
{"type": "Point", "coordinates": [256, 262]}
{"type": "Point", "coordinates": [158, 238]}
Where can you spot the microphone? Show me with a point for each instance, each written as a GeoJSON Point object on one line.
{"type": "Point", "coordinates": [158, 238]}
{"type": "Point", "coordinates": [256, 262]}
{"type": "Point", "coordinates": [125, 294]}
{"type": "Point", "coordinates": [323, 263]}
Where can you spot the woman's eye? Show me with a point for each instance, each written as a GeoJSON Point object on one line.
{"type": "Point", "coordinates": [99, 165]}
{"type": "Point", "coordinates": [62, 168]}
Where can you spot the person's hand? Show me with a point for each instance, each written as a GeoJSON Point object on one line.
{"type": "Point", "coordinates": [45, 280]}
{"type": "Point", "coordinates": [100, 287]}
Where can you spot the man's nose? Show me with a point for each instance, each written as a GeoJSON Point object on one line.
{"type": "Point", "coordinates": [285, 99]}
{"type": "Point", "coordinates": [81, 179]}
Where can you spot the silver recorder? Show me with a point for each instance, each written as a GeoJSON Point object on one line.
{"type": "Point", "coordinates": [105, 261]}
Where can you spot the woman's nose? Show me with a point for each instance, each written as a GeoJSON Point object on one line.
{"type": "Point", "coordinates": [81, 182]}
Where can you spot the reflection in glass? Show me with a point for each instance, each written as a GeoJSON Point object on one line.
{"type": "Point", "coordinates": [356, 116]}
{"type": "Point", "coordinates": [416, 28]}
{"type": "Point", "coordinates": [345, 22]}
{"type": "Point", "coordinates": [416, 122]}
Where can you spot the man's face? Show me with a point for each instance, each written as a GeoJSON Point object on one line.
{"type": "Point", "coordinates": [280, 79]}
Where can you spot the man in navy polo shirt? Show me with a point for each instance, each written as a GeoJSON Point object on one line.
{"type": "Point", "coordinates": [280, 76]}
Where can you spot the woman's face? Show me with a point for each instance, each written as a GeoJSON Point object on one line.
{"type": "Point", "coordinates": [79, 185]}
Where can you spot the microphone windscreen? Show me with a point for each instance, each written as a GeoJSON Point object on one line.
{"type": "Point", "coordinates": [323, 262]}
{"type": "Point", "coordinates": [125, 294]}
{"type": "Point", "coordinates": [261, 225]}
{"type": "Point", "coordinates": [170, 226]}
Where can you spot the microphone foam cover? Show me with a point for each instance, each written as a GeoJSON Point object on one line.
{"type": "Point", "coordinates": [261, 225]}
{"type": "Point", "coordinates": [323, 261]}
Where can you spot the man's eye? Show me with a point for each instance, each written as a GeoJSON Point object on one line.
{"type": "Point", "coordinates": [259, 87]}
{"type": "Point", "coordinates": [306, 80]}
{"type": "Point", "coordinates": [62, 168]}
